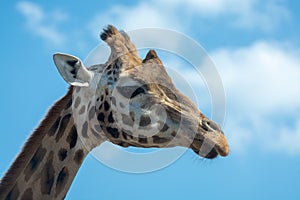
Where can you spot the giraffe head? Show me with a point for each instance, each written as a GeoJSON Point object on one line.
{"type": "Point", "coordinates": [133, 102]}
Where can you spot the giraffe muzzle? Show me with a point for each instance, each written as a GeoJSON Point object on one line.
{"type": "Point", "coordinates": [210, 141]}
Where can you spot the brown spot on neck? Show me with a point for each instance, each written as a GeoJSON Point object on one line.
{"type": "Point", "coordinates": [54, 127]}
{"type": "Point", "coordinates": [62, 127]}
{"type": "Point", "coordinates": [34, 162]}
{"type": "Point", "coordinates": [28, 194]}
{"type": "Point", "coordinates": [13, 194]}
{"type": "Point", "coordinates": [47, 175]}
{"type": "Point", "coordinates": [85, 130]}
{"type": "Point", "coordinates": [68, 105]}
{"type": "Point", "coordinates": [110, 118]}
{"type": "Point", "coordinates": [82, 110]}
{"type": "Point", "coordinates": [61, 180]}
{"type": "Point", "coordinates": [77, 102]}
{"type": "Point", "coordinates": [72, 137]}
{"type": "Point", "coordinates": [62, 154]}
{"type": "Point", "coordinates": [79, 156]}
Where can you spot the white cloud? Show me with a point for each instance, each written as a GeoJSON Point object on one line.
{"type": "Point", "coordinates": [42, 23]}
{"type": "Point", "coordinates": [262, 86]}
{"type": "Point", "coordinates": [267, 73]}
{"type": "Point", "coordinates": [262, 90]}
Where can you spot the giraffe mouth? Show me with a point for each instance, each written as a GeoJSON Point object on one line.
{"type": "Point", "coordinates": [210, 147]}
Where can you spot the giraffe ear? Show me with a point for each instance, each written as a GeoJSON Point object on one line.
{"type": "Point", "coordinates": [72, 70]}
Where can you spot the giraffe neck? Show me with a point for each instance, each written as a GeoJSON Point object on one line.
{"type": "Point", "coordinates": [50, 159]}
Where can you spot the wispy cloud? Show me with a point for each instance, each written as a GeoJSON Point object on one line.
{"type": "Point", "coordinates": [259, 15]}
{"type": "Point", "coordinates": [264, 15]}
{"type": "Point", "coordinates": [248, 14]}
{"type": "Point", "coordinates": [143, 14]}
{"type": "Point", "coordinates": [43, 23]}
{"type": "Point", "coordinates": [289, 140]}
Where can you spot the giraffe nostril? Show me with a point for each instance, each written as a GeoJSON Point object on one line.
{"type": "Point", "coordinates": [205, 126]}
{"type": "Point", "coordinates": [210, 126]}
{"type": "Point", "coordinates": [213, 125]}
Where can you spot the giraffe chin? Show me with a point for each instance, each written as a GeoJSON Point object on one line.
{"type": "Point", "coordinates": [208, 151]}
{"type": "Point", "coordinates": [209, 155]}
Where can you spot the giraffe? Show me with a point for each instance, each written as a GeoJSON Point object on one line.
{"type": "Point", "coordinates": [127, 101]}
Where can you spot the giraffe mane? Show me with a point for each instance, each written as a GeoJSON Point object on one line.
{"type": "Point", "coordinates": [7, 182]}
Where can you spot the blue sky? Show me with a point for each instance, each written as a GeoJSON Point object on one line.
{"type": "Point", "coordinates": [255, 46]}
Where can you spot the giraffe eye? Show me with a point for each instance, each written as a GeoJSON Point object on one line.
{"type": "Point", "coordinates": [130, 91]}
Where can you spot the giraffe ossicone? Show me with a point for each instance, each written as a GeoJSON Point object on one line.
{"type": "Point", "coordinates": [127, 101]}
